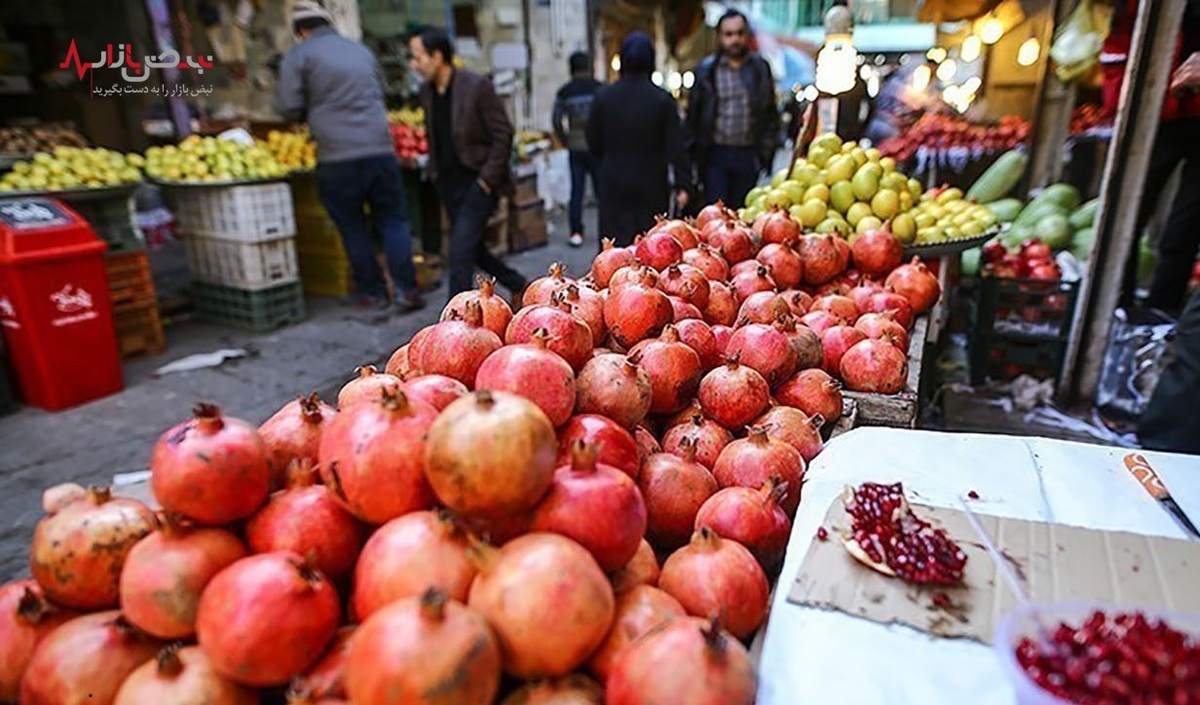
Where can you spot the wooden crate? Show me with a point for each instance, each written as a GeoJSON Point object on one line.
{"type": "Point", "coordinates": [896, 410]}
{"type": "Point", "coordinates": [130, 283]}
{"type": "Point", "coordinates": [139, 331]}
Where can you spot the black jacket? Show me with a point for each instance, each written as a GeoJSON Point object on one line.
{"type": "Point", "coordinates": [572, 106]}
{"type": "Point", "coordinates": [702, 110]}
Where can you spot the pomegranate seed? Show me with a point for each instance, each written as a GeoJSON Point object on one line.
{"type": "Point", "coordinates": [942, 600]}
{"type": "Point", "coordinates": [973, 494]}
{"type": "Point", "coordinates": [888, 532]}
{"type": "Point", "coordinates": [822, 534]}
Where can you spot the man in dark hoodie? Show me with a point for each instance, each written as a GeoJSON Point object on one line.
{"type": "Point", "coordinates": [572, 106]}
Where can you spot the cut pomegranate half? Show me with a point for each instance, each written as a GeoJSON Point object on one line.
{"type": "Point", "coordinates": [887, 536]}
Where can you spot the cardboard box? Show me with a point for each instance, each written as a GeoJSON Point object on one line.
{"type": "Point", "coordinates": [527, 227]}
{"type": "Point", "coordinates": [525, 190]}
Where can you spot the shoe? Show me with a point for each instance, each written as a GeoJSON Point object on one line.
{"type": "Point", "coordinates": [365, 302]}
{"type": "Point", "coordinates": [576, 240]}
{"type": "Point", "coordinates": [407, 303]}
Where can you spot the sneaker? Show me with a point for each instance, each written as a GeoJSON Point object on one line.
{"type": "Point", "coordinates": [576, 240]}
{"type": "Point", "coordinates": [407, 303]}
{"type": "Point", "coordinates": [365, 302]}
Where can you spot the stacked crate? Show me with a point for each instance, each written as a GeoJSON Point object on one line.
{"type": "Point", "coordinates": [241, 248]}
{"type": "Point", "coordinates": [1021, 326]}
{"type": "Point", "coordinates": [135, 303]}
{"type": "Point", "coordinates": [324, 266]}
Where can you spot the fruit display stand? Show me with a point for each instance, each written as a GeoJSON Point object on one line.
{"type": "Point", "coordinates": [810, 654]}
{"type": "Point", "coordinates": [898, 410]}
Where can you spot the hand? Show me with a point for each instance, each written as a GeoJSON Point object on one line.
{"type": "Point", "coordinates": [681, 199]}
{"type": "Point", "coordinates": [1188, 74]}
{"type": "Point", "coordinates": [484, 186]}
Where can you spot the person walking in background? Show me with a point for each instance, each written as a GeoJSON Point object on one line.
{"type": "Point", "coordinates": [572, 105]}
{"type": "Point", "coordinates": [732, 118]}
{"type": "Point", "coordinates": [336, 86]}
{"type": "Point", "coordinates": [470, 140]}
{"type": "Point", "coordinates": [635, 133]}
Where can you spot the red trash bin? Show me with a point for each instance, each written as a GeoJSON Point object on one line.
{"type": "Point", "coordinates": [55, 308]}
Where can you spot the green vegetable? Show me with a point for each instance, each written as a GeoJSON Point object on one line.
{"type": "Point", "coordinates": [1006, 210]}
{"type": "Point", "coordinates": [970, 261]}
{"type": "Point", "coordinates": [1000, 177]}
{"type": "Point", "coordinates": [1147, 261]}
{"type": "Point", "coordinates": [1085, 215]}
{"type": "Point", "coordinates": [1054, 230]}
{"type": "Point", "coordinates": [1081, 243]}
{"type": "Point", "coordinates": [1065, 195]}
{"type": "Point", "coordinates": [1016, 235]}
{"type": "Point", "coordinates": [1035, 211]}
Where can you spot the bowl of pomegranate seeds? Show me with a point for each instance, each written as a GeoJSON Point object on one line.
{"type": "Point", "coordinates": [1100, 655]}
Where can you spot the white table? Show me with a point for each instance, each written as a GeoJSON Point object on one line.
{"type": "Point", "coordinates": [817, 656]}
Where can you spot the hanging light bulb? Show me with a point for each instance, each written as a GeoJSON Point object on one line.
{"type": "Point", "coordinates": [837, 60]}
{"type": "Point", "coordinates": [971, 85]}
{"type": "Point", "coordinates": [657, 78]}
{"type": "Point", "coordinates": [674, 81]}
{"type": "Point", "coordinates": [616, 62]}
{"type": "Point", "coordinates": [946, 70]}
{"type": "Point", "coordinates": [937, 55]}
{"type": "Point", "coordinates": [971, 46]}
{"type": "Point", "coordinates": [1028, 54]}
{"type": "Point", "coordinates": [689, 79]}
{"type": "Point", "coordinates": [811, 93]}
{"type": "Point", "coordinates": [921, 77]}
{"type": "Point", "coordinates": [990, 30]}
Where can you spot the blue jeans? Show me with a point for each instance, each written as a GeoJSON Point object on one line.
{"type": "Point", "coordinates": [583, 164]}
{"type": "Point", "coordinates": [729, 174]}
{"type": "Point", "coordinates": [469, 209]}
{"type": "Point", "coordinates": [346, 189]}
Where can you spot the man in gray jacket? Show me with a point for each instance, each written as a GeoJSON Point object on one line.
{"type": "Point", "coordinates": [572, 105]}
{"type": "Point", "coordinates": [336, 85]}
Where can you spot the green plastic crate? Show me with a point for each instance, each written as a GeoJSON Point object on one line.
{"type": "Point", "coordinates": [262, 310]}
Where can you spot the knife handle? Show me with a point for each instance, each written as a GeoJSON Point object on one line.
{"type": "Point", "coordinates": [1141, 470]}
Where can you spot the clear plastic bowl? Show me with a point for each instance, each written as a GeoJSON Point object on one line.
{"type": "Point", "coordinates": [1029, 620]}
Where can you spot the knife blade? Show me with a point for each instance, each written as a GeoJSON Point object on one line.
{"type": "Point", "coordinates": [1144, 473]}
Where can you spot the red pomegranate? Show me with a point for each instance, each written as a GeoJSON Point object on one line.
{"type": "Point", "coordinates": [797, 301]}
{"type": "Point", "coordinates": [658, 249]}
{"type": "Point", "coordinates": [698, 335]}
{"type": "Point", "coordinates": [166, 572]}
{"type": "Point", "coordinates": [435, 390]}
{"type": "Point", "coordinates": [674, 487]}
{"type": "Point", "coordinates": [455, 347]}
{"type": "Point", "coordinates": [901, 309]}
{"type": "Point", "coordinates": [778, 227]}
{"type": "Point", "coordinates": [367, 386]}
{"type": "Point", "coordinates": [588, 306]}
{"type": "Point", "coordinates": [686, 282]}
{"type": "Point", "coordinates": [491, 454]}
{"type": "Point", "coordinates": [708, 261]}
{"type": "Point", "coordinates": [614, 443]}
{"type": "Point", "coordinates": [496, 311]}
{"type": "Point", "coordinates": [77, 553]}
{"type": "Point", "coordinates": [744, 268]}
{"type": "Point", "coordinates": [540, 291]}
{"type": "Point", "coordinates": [674, 370]}
{"type": "Point", "coordinates": [266, 618]}
{"type": "Point", "coordinates": [863, 291]}
{"type": "Point", "coordinates": [615, 386]}
{"type": "Point", "coordinates": [682, 310]}
{"type": "Point", "coordinates": [765, 349]}
{"type": "Point", "coordinates": [762, 307]}
{"type": "Point", "coordinates": [712, 575]}
{"type": "Point", "coordinates": [822, 260]}
{"type": "Point", "coordinates": [407, 556]}
{"type": "Point", "coordinates": [567, 335]}
{"type": "Point", "coordinates": [734, 394]}
{"type": "Point", "coordinates": [596, 505]}
{"type": "Point", "coordinates": [722, 308]}
{"type": "Point", "coordinates": [642, 569]}
{"type": "Point", "coordinates": [60, 495]}
{"type": "Point", "coordinates": [691, 661]}
{"type": "Point", "coordinates": [26, 618]}
{"type": "Point", "coordinates": [805, 342]}
{"type": "Point", "coordinates": [610, 259]}
{"type": "Point", "coordinates": [877, 252]}
{"type": "Point", "coordinates": [841, 306]}
{"type": "Point", "coordinates": [753, 518]}
{"type": "Point", "coordinates": [746, 283]}
{"type": "Point", "coordinates": [639, 610]}
{"type": "Point", "coordinates": [731, 240]}
{"type": "Point", "coordinates": [534, 372]}
{"type": "Point", "coordinates": [635, 273]}
{"type": "Point", "coordinates": [326, 678]}
{"type": "Point", "coordinates": [574, 689]}
{"type": "Point", "coordinates": [294, 433]}
{"type": "Point", "coordinates": [821, 321]}
{"type": "Point", "coordinates": [915, 283]}
{"type": "Point", "coordinates": [706, 439]}
{"type": "Point", "coordinates": [711, 212]}
{"type": "Point", "coordinates": [636, 311]}
{"type": "Point", "coordinates": [785, 265]}
{"type": "Point", "coordinates": [424, 650]}
{"type": "Point", "coordinates": [835, 342]}
{"type": "Point", "coordinates": [751, 461]}
{"type": "Point", "coordinates": [398, 364]}
{"type": "Point", "coordinates": [373, 457]}
{"type": "Point", "coordinates": [85, 661]}
{"type": "Point", "coordinates": [795, 428]}
{"type": "Point", "coordinates": [814, 392]}
{"type": "Point", "coordinates": [883, 326]}
{"type": "Point", "coordinates": [687, 236]}
{"type": "Point", "coordinates": [875, 366]}
{"type": "Point", "coordinates": [305, 518]}
{"type": "Point", "coordinates": [548, 602]}
{"type": "Point", "coordinates": [181, 675]}
{"type": "Point", "coordinates": [721, 335]}
{"type": "Point", "coordinates": [646, 442]}
{"type": "Point", "coordinates": [212, 468]}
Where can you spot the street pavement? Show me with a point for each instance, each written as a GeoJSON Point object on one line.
{"type": "Point", "coordinates": [91, 443]}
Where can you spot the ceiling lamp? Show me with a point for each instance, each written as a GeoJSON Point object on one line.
{"type": "Point", "coordinates": [837, 60]}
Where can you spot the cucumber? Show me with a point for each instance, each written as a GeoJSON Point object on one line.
{"type": "Point", "coordinates": [1054, 230]}
{"type": "Point", "coordinates": [1000, 177]}
{"type": "Point", "coordinates": [1085, 215]}
{"type": "Point", "coordinates": [1065, 195]}
{"type": "Point", "coordinates": [1006, 210]}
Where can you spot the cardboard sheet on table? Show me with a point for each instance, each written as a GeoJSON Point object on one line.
{"type": "Point", "coordinates": [1056, 563]}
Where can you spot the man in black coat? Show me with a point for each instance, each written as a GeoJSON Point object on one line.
{"type": "Point", "coordinates": [635, 133]}
{"type": "Point", "coordinates": [732, 119]}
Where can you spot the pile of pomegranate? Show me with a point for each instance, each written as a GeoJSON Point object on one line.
{"type": "Point", "coordinates": [945, 130]}
{"type": "Point", "coordinates": [582, 500]}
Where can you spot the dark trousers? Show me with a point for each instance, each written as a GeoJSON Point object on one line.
{"type": "Point", "coordinates": [346, 189]}
{"type": "Point", "coordinates": [1171, 421]}
{"type": "Point", "coordinates": [729, 174]}
{"type": "Point", "coordinates": [583, 165]}
{"type": "Point", "coordinates": [469, 209]}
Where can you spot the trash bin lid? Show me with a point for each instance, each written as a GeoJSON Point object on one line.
{"type": "Point", "coordinates": [43, 228]}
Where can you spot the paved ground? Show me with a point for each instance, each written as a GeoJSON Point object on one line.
{"type": "Point", "coordinates": [91, 443]}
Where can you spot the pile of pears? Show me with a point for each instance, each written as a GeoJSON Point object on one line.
{"type": "Point", "coordinates": [207, 159]}
{"type": "Point", "coordinates": [68, 168]}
